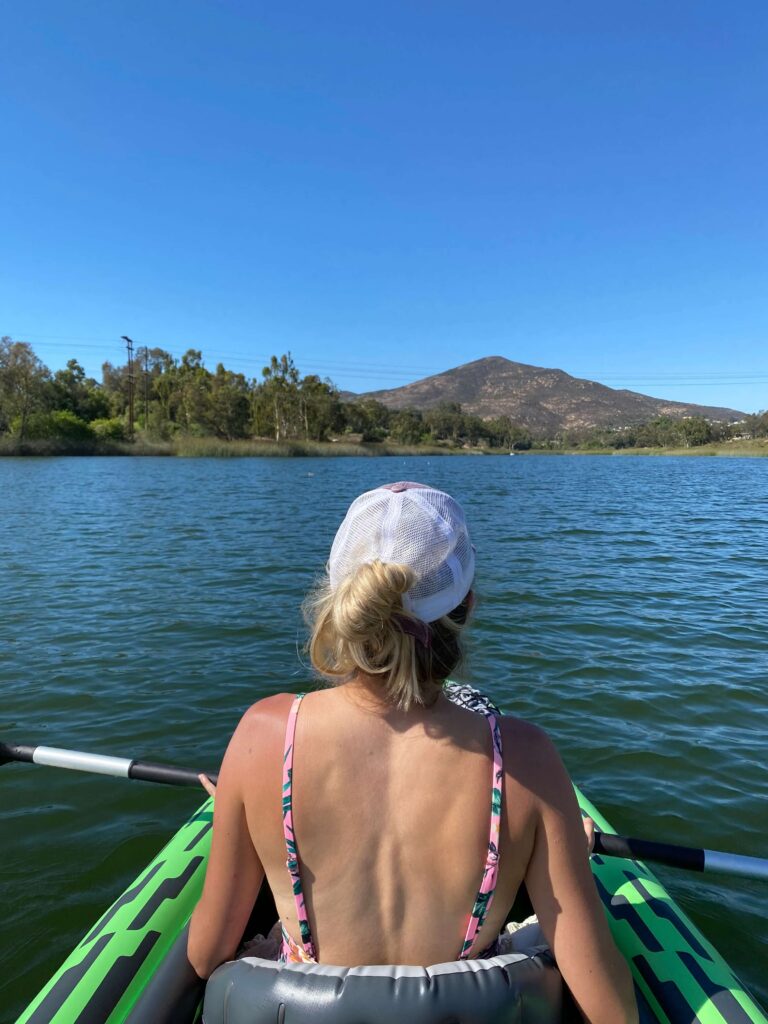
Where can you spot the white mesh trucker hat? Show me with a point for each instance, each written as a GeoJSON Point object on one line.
{"type": "Point", "coordinates": [414, 525]}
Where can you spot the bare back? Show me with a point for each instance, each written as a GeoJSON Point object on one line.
{"type": "Point", "coordinates": [391, 815]}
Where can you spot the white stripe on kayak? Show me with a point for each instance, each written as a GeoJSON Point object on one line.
{"type": "Point", "coordinates": [79, 761]}
{"type": "Point", "coordinates": [735, 864]}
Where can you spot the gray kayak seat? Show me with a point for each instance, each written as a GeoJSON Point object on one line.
{"type": "Point", "coordinates": [514, 988]}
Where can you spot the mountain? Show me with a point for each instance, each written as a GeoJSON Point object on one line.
{"type": "Point", "coordinates": [545, 401]}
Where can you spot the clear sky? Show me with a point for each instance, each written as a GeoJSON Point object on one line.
{"type": "Point", "coordinates": [389, 190]}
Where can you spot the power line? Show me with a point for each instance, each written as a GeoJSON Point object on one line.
{"type": "Point", "coordinates": [346, 370]}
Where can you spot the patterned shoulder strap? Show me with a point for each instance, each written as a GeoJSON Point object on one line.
{"type": "Point", "coordinates": [292, 863]}
{"type": "Point", "coordinates": [487, 888]}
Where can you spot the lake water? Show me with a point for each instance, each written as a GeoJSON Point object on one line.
{"type": "Point", "coordinates": [145, 603]}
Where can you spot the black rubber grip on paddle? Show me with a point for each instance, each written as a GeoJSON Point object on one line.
{"type": "Point", "coordinates": [16, 752]}
{"type": "Point", "coordinates": [643, 849]}
{"type": "Point", "coordinates": [147, 771]}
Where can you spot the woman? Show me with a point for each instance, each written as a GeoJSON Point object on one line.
{"type": "Point", "coordinates": [409, 822]}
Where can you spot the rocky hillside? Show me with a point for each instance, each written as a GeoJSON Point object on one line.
{"type": "Point", "coordinates": [545, 401]}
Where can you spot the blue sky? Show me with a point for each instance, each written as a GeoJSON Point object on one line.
{"type": "Point", "coordinates": [389, 190]}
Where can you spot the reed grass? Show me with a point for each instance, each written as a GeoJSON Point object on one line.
{"type": "Point", "coordinates": [211, 447]}
{"type": "Point", "coordinates": [55, 446]}
{"type": "Point", "coordinates": [51, 446]}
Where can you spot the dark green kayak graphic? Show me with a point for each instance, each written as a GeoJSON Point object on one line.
{"type": "Point", "coordinates": [682, 977]}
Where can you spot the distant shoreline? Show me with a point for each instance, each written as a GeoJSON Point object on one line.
{"type": "Point", "coordinates": [213, 448]}
{"type": "Point", "coordinates": [749, 449]}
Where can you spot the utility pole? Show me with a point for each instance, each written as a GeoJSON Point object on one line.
{"type": "Point", "coordinates": [146, 388]}
{"type": "Point", "coordinates": [131, 385]}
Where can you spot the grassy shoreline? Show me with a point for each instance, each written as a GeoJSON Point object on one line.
{"type": "Point", "coordinates": [210, 447]}
{"type": "Point", "coordinates": [755, 448]}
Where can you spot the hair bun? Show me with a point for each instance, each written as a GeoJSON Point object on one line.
{"type": "Point", "coordinates": [360, 625]}
{"type": "Point", "coordinates": [369, 597]}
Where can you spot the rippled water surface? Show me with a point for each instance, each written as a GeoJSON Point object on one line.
{"type": "Point", "coordinates": [144, 603]}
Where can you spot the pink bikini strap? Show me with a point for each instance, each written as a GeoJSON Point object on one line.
{"type": "Point", "coordinates": [487, 888]}
{"type": "Point", "coordinates": [292, 863]}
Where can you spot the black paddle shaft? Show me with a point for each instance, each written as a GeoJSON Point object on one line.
{"type": "Point", "coordinates": [148, 771]}
{"type": "Point", "coordinates": [644, 849]}
{"type": "Point", "coordinates": [16, 752]}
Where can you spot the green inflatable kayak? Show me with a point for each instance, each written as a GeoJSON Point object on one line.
{"type": "Point", "coordinates": [131, 966]}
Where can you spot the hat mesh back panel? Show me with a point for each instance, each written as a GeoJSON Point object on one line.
{"type": "Point", "coordinates": [420, 528]}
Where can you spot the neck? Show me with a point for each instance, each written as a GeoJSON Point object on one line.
{"type": "Point", "coordinates": [366, 691]}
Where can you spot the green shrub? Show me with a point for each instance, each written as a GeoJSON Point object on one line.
{"type": "Point", "coordinates": [109, 430]}
{"type": "Point", "coordinates": [59, 424]}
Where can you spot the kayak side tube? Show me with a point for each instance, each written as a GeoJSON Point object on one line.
{"type": "Point", "coordinates": [106, 973]}
{"type": "Point", "coordinates": [679, 972]}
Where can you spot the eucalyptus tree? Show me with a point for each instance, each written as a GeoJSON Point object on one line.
{"type": "Point", "coordinates": [73, 392]}
{"type": "Point", "coordinates": [23, 382]}
{"type": "Point", "coordinates": [756, 424]}
{"type": "Point", "coordinates": [277, 399]}
{"type": "Point", "coordinates": [194, 390]}
{"type": "Point", "coordinates": [407, 427]}
{"type": "Point", "coordinates": [320, 408]}
{"type": "Point", "coordinates": [367, 417]}
{"type": "Point", "coordinates": [229, 404]}
{"type": "Point", "coordinates": [445, 421]}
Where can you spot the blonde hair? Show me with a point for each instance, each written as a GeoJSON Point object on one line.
{"type": "Point", "coordinates": [357, 628]}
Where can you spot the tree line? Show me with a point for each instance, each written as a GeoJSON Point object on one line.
{"type": "Point", "coordinates": [663, 432]}
{"type": "Point", "coordinates": [182, 396]}
{"type": "Point", "coordinates": [174, 397]}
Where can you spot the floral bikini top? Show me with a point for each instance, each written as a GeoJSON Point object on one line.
{"type": "Point", "coordinates": [292, 952]}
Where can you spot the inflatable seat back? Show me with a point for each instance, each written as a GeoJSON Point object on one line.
{"type": "Point", "coordinates": [514, 988]}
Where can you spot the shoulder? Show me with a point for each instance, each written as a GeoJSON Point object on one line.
{"type": "Point", "coordinates": [260, 733]}
{"type": "Point", "coordinates": [268, 709]}
{"type": "Point", "coordinates": [532, 758]}
{"type": "Point", "coordinates": [526, 737]}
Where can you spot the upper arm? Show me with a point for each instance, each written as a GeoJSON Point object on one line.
{"type": "Point", "coordinates": [235, 872]}
{"type": "Point", "coordinates": [565, 898]}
